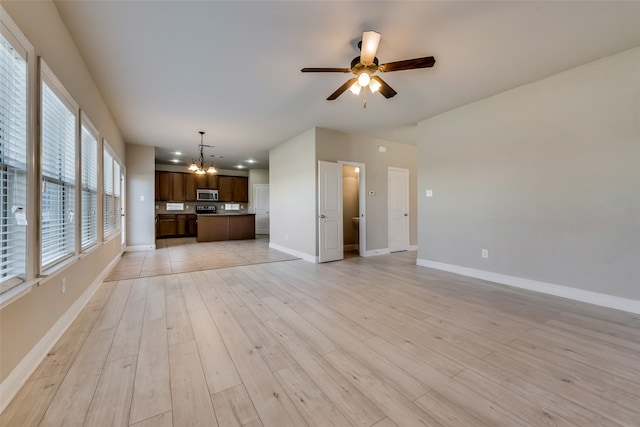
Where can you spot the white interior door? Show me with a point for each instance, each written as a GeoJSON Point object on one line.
{"type": "Point", "coordinates": [261, 207]}
{"type": "Point", "coordinates": [330, 231]}
{"type": "Point", "coordinates": [398, 193]}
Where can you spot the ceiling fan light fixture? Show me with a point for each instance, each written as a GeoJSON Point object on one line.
{"type": "Point", "coordinates": [355, 88]}
{"type": "Point", "coordinates": [364, 79]}
{"type": "Point", "coordinates": [370, 41]}
{"type": "Point", "coordinates": [374, 86]}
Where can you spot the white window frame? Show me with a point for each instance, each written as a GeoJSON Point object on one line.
{"type": "Point", "coordinates": [12, 286]}
{"type": "Point", "coordinates": [48, 77]}
{"type": "Point", "coordinates": [86, 188]}
{"type": "Point", "coordinates": [112, 222]}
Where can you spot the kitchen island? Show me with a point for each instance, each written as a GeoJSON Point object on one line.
{"type": "Point", "coordinates": [226, 226]}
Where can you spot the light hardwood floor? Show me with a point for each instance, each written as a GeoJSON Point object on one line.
{"type": "Point", "coordinates": [182, 255]}
{"type": "Point", "coordinates": [362, 342]}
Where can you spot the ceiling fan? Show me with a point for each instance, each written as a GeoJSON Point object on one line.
{"type": "Point", "coordinates": [365, 66]}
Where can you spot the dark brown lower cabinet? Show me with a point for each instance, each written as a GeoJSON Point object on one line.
{"type": "Point", "coordinates": [242, 227]}
{"type": "Point", "coordinates": [213, 228]}
{"type": "Point", "coordinates": [175, 225]}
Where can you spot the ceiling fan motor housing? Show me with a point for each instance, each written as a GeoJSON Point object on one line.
{"type": "Point", "coordinates": [358, 67]}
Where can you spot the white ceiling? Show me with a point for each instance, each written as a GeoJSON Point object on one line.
{"type": "Point", "coordinates": [168, 69]}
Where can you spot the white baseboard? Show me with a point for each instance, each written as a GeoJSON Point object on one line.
{"type": "Point", "coordinates": [604, 300]}
{"type": "Point", "coordinates": [20, 374]}
{"type": "Point", "coordinates": [294, 252]}
{"type": "Point", "coordinates": [140, 248]}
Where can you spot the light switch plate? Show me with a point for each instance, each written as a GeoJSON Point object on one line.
{"type": "Point", "coordinates": [429, 193]}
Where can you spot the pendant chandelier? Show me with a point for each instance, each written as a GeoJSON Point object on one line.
{"type": "Point", "coordinates": [199, 167]}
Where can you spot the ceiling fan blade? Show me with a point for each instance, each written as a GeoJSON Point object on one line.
{"type": "Point", "coordinates": [408, 64]}
{"type": "Point", "coordinates": [341, 89]}
{"type": "Point", "coordinates": [386, 90]}
{"type": "Point", "coordinates": [325, 70]}
{"type": "Point", "coordinates": [369, 47]}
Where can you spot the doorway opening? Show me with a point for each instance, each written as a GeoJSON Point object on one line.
{"type": "Point", "coordinates": [353, 206]}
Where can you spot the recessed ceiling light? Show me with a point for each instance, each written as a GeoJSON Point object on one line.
{"type": "Point", "coordinates": [240, 166]}
{"type": "Point", "coordinates": [175, 160]}
{"type": "Point", "coordinates": [178, 153]}
{"type": "Point", "coordinates": [252, 161]}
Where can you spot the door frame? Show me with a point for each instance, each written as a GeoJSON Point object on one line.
{"type": "Point", "coordinates": [362, 203]}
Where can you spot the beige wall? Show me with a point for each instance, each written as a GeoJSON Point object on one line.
{"type": "Point", "coordinates": [333, 146]}
{"type": "Point", "coordinates": [140, 185]}
{"type": "Point", "coordinates": [293, 185]}
{"type": "Point", "coordinates": [292, 194]}
{"type": "Point", "coordinates": [545, 176]}
{"type": "Point", "coordinates": [25, 321]}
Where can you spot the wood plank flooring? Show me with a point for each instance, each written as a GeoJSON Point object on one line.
{"type": "Point", "coordinates": [362, 342]}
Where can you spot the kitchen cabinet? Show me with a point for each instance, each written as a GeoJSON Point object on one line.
{"type": "Point", "coordinates": [166, 226]}
{"type": "Point", "coordinates": [177, 186]}
{"type": "Point", "coordinates": [211, 182]}
{"type": "Point", "coordinates": [176, 225]}
{"type": "Point", "coordinates": [163, 191]}
{"type": "Point", "coordinates": [213, 228]}
{"type": "Point", "coordinates": [240, 189]}
{"type": "Point", "coordinates": [233, 189]}
{"type": "Point", "coordinates": [181, 187]}
{"type": "Point", "coordinates": [242, 227]}
{"type": "Point", "coordinates": [192, 182]}
{"type": "Point", "coordinates": [170, 187]}
{"type": "Point", "coordinates": [225, 188]}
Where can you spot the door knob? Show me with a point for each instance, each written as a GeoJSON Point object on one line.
{"type": "Point", "coordinates": [406, 214]}
{"type": "Point", "coordinates": [322, 216]}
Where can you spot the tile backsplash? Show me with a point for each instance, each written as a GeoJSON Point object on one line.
{"type": "Point", "coordinates": [190, 207]}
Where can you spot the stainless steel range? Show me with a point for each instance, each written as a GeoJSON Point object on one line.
{"type": "Point", "coordinates": [205, 209]}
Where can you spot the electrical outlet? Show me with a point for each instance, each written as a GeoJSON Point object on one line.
{"type": "Point", "coordinates": [429, 193]}
{"type": "Point", "coordinates": [63, 285]}
{"type": "Point", "coordinates": [485, 253]}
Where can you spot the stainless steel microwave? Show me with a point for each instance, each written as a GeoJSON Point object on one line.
{"type": "Point", "coordinates": [206, 195]}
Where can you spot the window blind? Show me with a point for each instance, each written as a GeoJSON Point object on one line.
{"type": "Point", "coordinates": [108, 193]}
{"type": "Point", "coordinates": [13, 159]}
{"type": "Point", "coordinates": [116, 195]}
{"type": "Point", "coordinates": [58, 156]}
{"type": "Point", "coordinates": [89, 187]}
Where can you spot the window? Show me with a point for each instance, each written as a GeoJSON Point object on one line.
{"type": "Point", "coordinates": [108, 192]}
{"type": "Point", "coordinates": [58, 162]}
{"type": "Point", "coordinates": [13, 159]}
{"type": "Point", "coordinates": [89, 221]}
